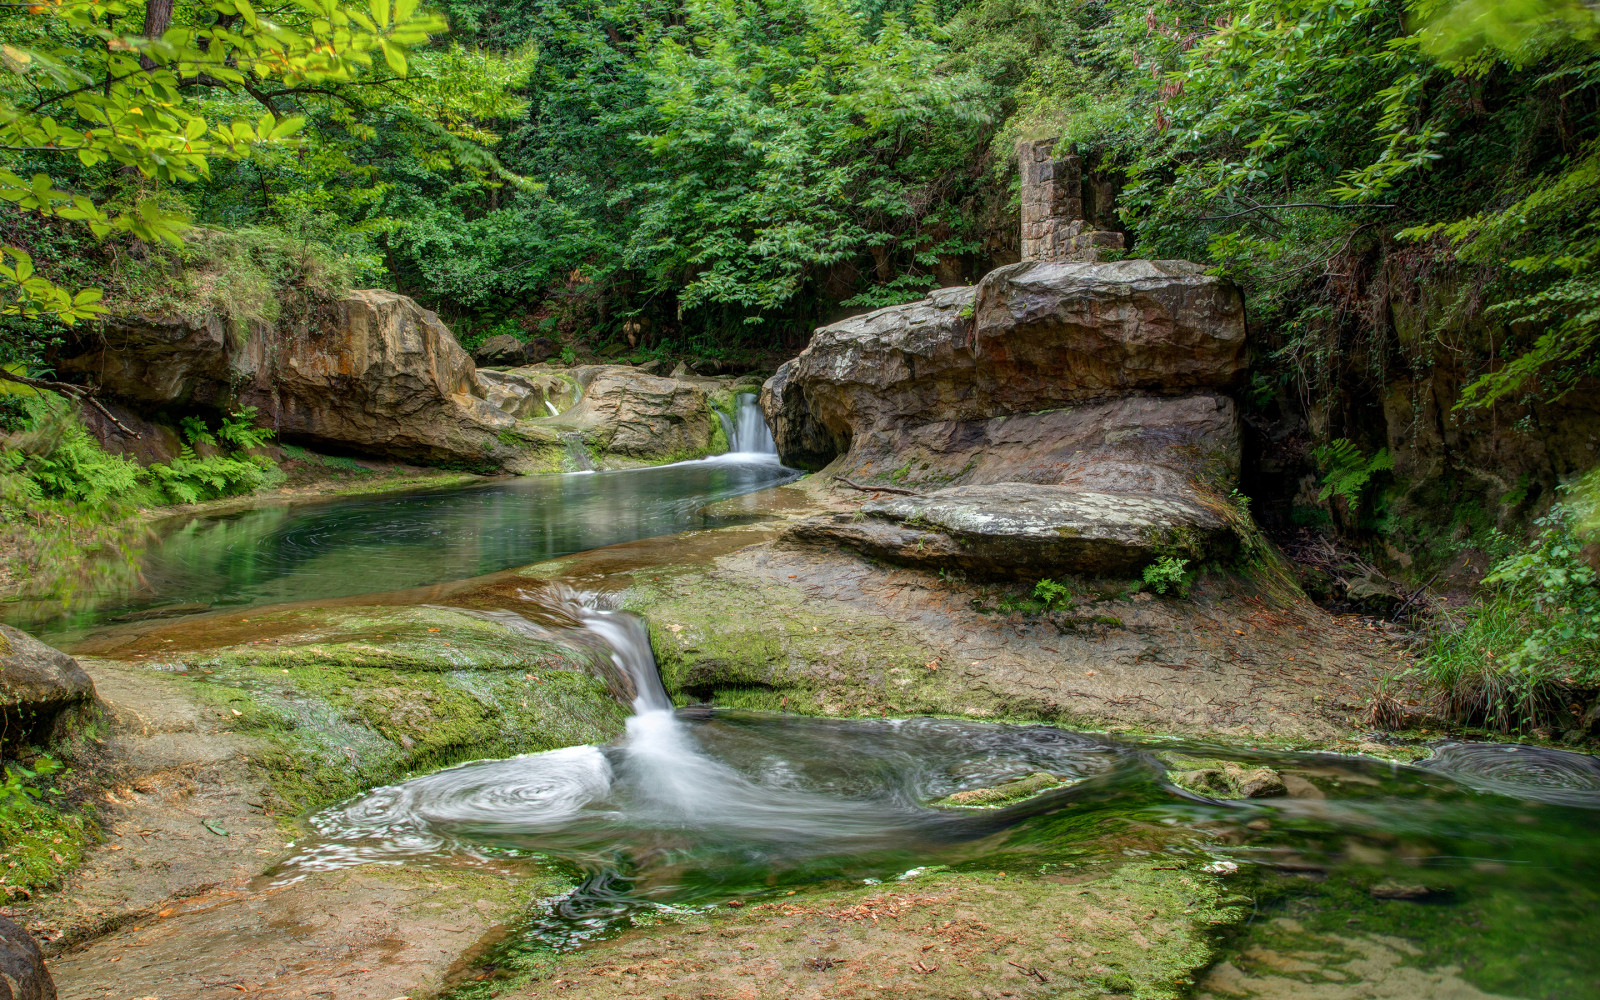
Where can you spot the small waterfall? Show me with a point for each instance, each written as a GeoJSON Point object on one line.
{"type": "Point", "coordinates": [728, 431]}
{"type": "Point", "coordinates": [552, 408]}
{"type": "Point", "coordinates": [579, 451]}
{"type": "Point", "coordinates": [751, 436]}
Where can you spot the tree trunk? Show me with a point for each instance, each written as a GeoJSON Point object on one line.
{"type": "Point", "coordinates": [157, 17]}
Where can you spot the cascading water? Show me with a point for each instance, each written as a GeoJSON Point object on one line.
{"type": "Point", "coordinates": [690, 808]}
{"type": "Point", "coordinates": [750, 434]}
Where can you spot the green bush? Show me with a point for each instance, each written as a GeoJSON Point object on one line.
{"type": "Point", "coordinates": [1518, 659]}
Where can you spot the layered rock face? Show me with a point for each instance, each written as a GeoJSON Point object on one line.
{"type": "Point", "coordinates": [626, 413]}
{"type": "Point", "coordinates": [1063, 417]}
{"type": "Point", "coordinates": [38, 686]}
{"type": "Point", "coordinates": [372, 370]}
{"type": "Point", "coordinates": [377, 373]}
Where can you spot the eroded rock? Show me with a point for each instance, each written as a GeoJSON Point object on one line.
{"type": "Point", "coordinates": [38, 684]}
{"type": "Point", "coordinates": [640, 417]}
{"type": "Point", "coordinates": [528, 394]}
{"type": "Point", "coordinates": [372, 371]}
{"type": "Point", "coordinates": [1029, 337]}
{"type": "Point", "coordinates": [1006, 527]}
{"type": "Point", "coordinates": [22, 972]}
{"type": "Point", "coordinates": [1060, 417]}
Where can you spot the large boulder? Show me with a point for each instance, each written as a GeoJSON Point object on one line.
{"type": "Point", "coordinates": [631, 417]}
{"type": "Point", "coordinates": [1029, 337]}
{"type": "Point", "coordinates": [22, 972]}
{"type": "Point", "coordinates": [39, 686]}
{"type": "Point", "coordinates": [371, 371]}
{"type": "Point", "coordinates": [1057, 418]}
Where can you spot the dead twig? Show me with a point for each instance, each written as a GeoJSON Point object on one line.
{"type": "Point", "coordinates": [877, 489]}
{"type": "Point", "coordinates": [1028, 970]}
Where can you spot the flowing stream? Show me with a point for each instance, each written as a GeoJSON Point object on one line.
{"type": "Point", "coordinates": [694, 807]}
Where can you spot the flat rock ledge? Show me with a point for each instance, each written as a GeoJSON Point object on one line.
{"type": "Point", "coordinates": [1004, 528]}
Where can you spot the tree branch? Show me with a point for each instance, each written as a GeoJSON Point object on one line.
{"type": "Point", "coordinates": [876, 489]}
{"type": "Point", "coordinates": [77, 392]}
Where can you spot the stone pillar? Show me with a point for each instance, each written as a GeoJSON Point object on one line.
{"type": "Point", "coordinates": [1053, 226]}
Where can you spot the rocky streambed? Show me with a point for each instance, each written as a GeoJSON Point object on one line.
{"type": "Point", "coordinates": [826, 737]}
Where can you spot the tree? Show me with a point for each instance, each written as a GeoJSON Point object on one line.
{"type": "Point", "coordinates": [83, 93]}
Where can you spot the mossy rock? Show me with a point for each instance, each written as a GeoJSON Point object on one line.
{"type": "Point", "coordinates": [368, 696]}
{"type": "Point", "coordinates": [1004, 794]}
{"type": "Point", "coordinates": [1222, 779]}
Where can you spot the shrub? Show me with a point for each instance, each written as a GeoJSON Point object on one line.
{"type": "Point", "coordinates": [1520, 657]}
{"type": "Point", "coordinates": [1167, 573]}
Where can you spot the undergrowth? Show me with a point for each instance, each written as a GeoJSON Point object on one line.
{"type": "Point", "coordinates": [68, 507]}
{"type": "Point", "coordinates": [41, 834]}
{"type": "Point", "coordinates": [1527, 656]}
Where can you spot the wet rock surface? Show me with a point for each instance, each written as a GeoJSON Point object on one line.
{"type": "Point", "coordinates": [38, 683]}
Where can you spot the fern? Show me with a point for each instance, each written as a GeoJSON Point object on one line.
{"type": "Point", "coordinates": [1346, 471]}
{"type": "Point", "coordinates": [239, 430]}
{"type": "Point", "coordinates": [195, 431]}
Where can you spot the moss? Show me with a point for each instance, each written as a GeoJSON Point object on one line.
{"type": "Point", "coordinates": [374, 695]}
{"type": "Point", "coordinates": [780, 653]}
{"type": "Point", "coordinates": [40, 841]}
{"type": "Point", "coordinates": [1142, 928]}
{"type": "Point", "coordinates": [1008, 793]}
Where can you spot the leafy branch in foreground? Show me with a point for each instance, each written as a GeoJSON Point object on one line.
{"type": "Point", "coordinates": [83, 89]}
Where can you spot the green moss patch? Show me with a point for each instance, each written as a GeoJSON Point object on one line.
{"type": "Point", "coordinates": [777, 653]}
{"type": "Point", "coordinates": [374, 695]}
{"type": "Point", "coordinates": [1005, 794]}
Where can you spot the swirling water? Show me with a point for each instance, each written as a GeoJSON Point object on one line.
{"type": "Point", "coordinates": [693, 807]}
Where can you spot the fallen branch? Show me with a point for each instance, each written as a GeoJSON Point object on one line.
{"type": "Point", "coordinates": [877, 489]}
{"type": "Point", "coordinates": [1414, 595]}
{"type": "Point", "coordinates": [67, 389]}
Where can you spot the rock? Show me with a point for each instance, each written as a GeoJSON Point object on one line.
{"type": "Point", "coordinates": [38, 683]}
{"type": "Point", "coordinates": [1412, 891]}
{"type": "Point", "coordinates": [1224, 779]}
{"type": "Point", "coordinates": [1004, 794]}
{"type": "Point", "coordinates": [506, 350]}
{"type": "Point", "coordinates": [22, 972]}
{"type": "Point", "coordinates": [1139, 444]}
{"type": "Point", "coordinates": [528, 394]}
{"type": "Point", "coordinates": [1060, 417]}
{"type": "Point", "coordinates": [1005, 528]}
{"type": "Point", "coordinates": [804, 443]}
{"type": "Point", "coordinates": [639, 417]}
{"type": "Point", "coordinates": [1030, 337]}
{"type": "Point", "coordinates": [503, 349]}
{"type": "Point", "coordinates": [372, 371]}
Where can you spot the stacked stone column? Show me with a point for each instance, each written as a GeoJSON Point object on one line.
{"type": "Point", "coordinates": [1053, 223]}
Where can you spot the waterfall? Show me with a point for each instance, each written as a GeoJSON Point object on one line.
{"type": "Point", "coordinates": [750, 435]}
{"type": "Point", "coordinates": [552, 407]}
{"type": "Point", "coordinates": [728, 431]}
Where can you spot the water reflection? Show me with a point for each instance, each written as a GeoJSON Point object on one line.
{"type": "Point", "coordinates": [360, 545]}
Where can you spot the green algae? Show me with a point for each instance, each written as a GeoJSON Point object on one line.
{"type": "Point", "coordinates": [371, 696]}
{"type": "Point", "coordinates": [1009, 793]}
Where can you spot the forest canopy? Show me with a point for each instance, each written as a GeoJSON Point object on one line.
{"type": "Point", "coordinates": [716, 175]}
